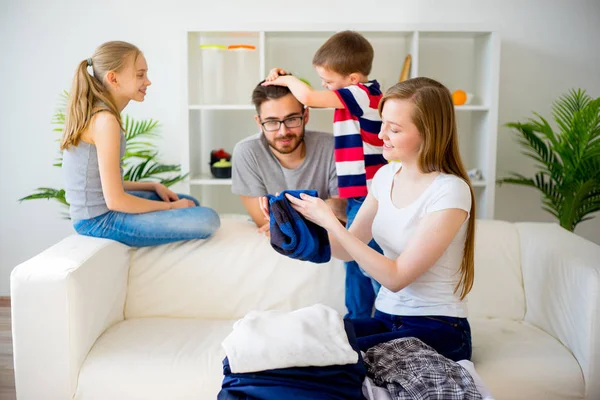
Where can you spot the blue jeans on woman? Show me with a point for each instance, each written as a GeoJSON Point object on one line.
{"type": "Point", "coordinates": [153, 228]}
{"type": "Point", "coordinates": [361, 289]}
{"type": "Point", "coordinates": [449, 336]}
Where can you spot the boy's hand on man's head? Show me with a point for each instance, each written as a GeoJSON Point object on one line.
{"type": "Point", "coordinates": [275, 73]}
{"type": "Point", "coordinates": [282, 80]}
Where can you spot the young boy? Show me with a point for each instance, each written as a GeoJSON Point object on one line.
{"type": "Point", "coordinates": [344, 62]}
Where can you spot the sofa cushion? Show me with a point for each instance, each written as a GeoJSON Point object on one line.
{"type": "Point", "coordinates": [168, 358]}
{"type": "Point", "coordinates": [227, 276]}
{"type": "Point", "coordinates": [498, 287]}
{"type": "Point", "coordinates": [155, 358]}
{"type": "Point", "coordinates": [519, 361]}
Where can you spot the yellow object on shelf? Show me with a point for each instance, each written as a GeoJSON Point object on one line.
{"type": "Point", "coordinates": [405, 68]}
{"type": "Point", "coordinates": [212, 47]}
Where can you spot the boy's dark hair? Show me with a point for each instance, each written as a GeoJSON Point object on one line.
{"type": "Point", "coordinates": [261, 93]}
{"type": "Point", "coordinates": [345, 53]}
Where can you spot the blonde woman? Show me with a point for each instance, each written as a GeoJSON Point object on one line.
{"type": "Point", "coordinates": [102, 204]}
{"type": "Point", "coordinates": [421, 212]}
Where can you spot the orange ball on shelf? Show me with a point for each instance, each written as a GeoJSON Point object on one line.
{"type": "Point", "coordinates": [459, 97]}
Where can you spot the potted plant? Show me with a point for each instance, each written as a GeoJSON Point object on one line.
{"type": "Point", "coordinates": [567, 161]}
{"type": "Point", "coordinates": [140, 162]}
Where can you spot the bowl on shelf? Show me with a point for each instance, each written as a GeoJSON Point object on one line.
{"type": "Point", "coordinates": [219, 154]}
{"type": "Point", "coordinates": [221, 169]}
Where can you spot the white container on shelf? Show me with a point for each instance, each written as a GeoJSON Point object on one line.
{"type": "Point", "coordinates": [212, 84]}
{"type": "Point", "coordinates": [243, 62]}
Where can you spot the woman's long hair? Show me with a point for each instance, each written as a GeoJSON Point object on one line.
{"type": "Point", "coordinates": [434, 117]}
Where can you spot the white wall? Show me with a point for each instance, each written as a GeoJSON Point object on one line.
{"type": "Point", "coordinates": [548, 47]}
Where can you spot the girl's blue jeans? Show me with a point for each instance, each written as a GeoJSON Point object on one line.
{"type": "Point", "coordinates": [153, 228]}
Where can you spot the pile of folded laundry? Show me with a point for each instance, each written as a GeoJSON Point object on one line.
{"type": "Point", "coordinates": [312, 353]}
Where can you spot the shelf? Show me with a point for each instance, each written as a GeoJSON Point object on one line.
{"type": "Point", "coordinates": [471, 108]}
{"type": "Point", "coordinates": [232, 107]}
{"type": "Point", "coordinates": [209, 180]}
{"type": "Point", "coordinates": [218, 111]}
{"type": "Point", "coordinates": [453, 35]}
{"type": "Point", "coordinates": [460, 60]}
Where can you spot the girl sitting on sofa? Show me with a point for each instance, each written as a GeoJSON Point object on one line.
{"type": "Point", "coordinates": [421, 211]}
{"type": "Point", "coordinates": [102, 204]}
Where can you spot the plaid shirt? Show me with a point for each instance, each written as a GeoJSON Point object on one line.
{"type": "Point", "coordinates": [411, 370]}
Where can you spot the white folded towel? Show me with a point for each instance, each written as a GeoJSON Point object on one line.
{"type": "Point", "coordinates": [310, 336]}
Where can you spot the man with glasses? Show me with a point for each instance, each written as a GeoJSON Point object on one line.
{"type": "Point", "coordinates": [283, 156]}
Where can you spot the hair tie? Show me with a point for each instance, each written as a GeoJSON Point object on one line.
{"type": "Point", "coordinates": [89, 62]}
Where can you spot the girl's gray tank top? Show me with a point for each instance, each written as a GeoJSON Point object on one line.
{"type": "Point", "coordinates": [83, 188]}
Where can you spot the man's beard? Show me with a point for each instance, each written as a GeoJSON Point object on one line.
{"type": "Point", "coordinates": [287, 149]}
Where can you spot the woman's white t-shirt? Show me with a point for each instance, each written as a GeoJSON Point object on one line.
{"type": "Point", "coordinates": [432, 293]}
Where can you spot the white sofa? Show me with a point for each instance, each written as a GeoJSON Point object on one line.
{"type": "Point", "coordinates": [96, 320]}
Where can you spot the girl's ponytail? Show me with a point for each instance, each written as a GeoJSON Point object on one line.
{"type": "Point", "coordinates": [88, 92]}
{"type": "Point", "coordinates": [81, 101]}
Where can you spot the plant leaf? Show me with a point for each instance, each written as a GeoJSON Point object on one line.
{"type": "Point", "coordinates": [568, 161]}
{"type": "Point", "coordinates": [47, 193]}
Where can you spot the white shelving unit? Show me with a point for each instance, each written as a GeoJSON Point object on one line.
{"type": "Point", "coordinates": [459, 57]}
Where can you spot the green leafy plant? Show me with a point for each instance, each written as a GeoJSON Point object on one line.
{"type": "Point", "coordinates": [140, 162]}
{"type": "Point", "coordinates": [568, 161]}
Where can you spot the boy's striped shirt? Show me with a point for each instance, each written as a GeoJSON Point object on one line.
{"type": "Point", "coordinates": [358, 150]}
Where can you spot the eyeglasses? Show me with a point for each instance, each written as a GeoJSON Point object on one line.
{"type": "Point", "coordinates": [275, 125]}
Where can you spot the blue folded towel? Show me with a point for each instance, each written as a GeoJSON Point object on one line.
{"type": "Point", "coordinates": [293, 235]}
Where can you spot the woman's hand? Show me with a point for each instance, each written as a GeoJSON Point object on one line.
{"type": "Point", "coordinates": [165, 193]}
{"type": "Point", "coordinates": [314, 209]}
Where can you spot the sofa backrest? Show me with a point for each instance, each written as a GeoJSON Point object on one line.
{"type": "Point", "coordinates": [498, 287]}
{"type": "Point", "coordinates": [226, 276]}
{"type": "Point", "coordinates": [237, 271]}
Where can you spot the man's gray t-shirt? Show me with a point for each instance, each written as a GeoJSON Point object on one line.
{"type": "Point", "coordinates": [257, 172]}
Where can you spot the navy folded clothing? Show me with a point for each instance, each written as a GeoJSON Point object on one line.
{"type": "Point", "coordinates": [292, 234]}
{"type": "Point", "coordinates": [335, 382]}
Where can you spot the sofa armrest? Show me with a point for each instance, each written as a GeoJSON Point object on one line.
{"type": "Point", "coordinates": [62, 300]}
{"type": "Point", "coordinates": [561, 275]}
